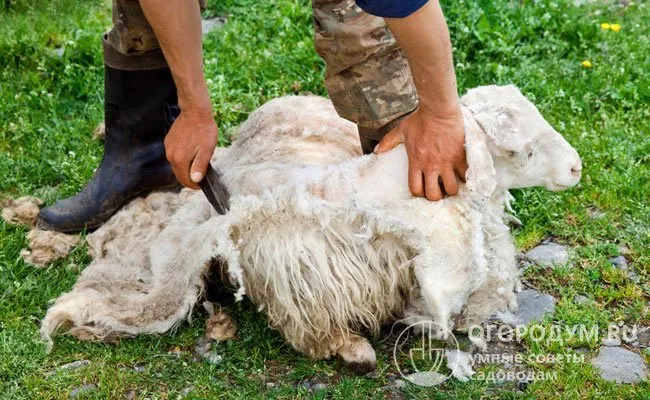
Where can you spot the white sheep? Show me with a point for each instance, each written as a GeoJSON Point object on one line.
{"type": "Point", "coordinates": [327, 243]}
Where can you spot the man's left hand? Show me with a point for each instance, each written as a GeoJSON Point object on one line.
{"type": "Point", "coordinates": [435, 146]}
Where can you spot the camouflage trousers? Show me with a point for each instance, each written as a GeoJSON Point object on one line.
{"type": "Point", "coordinates": [367, 75]}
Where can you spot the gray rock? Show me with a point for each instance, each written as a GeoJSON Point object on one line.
{"type": "Point", "coordinates": [400, 384]}
{"type": "Point", "coordinates": [611, 342]}
{"type": "Point", "coordinates": [373, 375]}
{"type": "Point", "coordinates": [595, 213]}
{"type": "Point", "coordinates": [580, 299]}
{"type": "Point", "coordinates": [81, 390]}
{"type": "Point", "coordinates": [531, 307]}
{"type": "Point", "coordinates": [633, 276]}
{"type": "Point", "coordinates": [620, 365]}
{"type": "Point", "coordinates": [202, 347]}
{"type": "Point", "coordinates": [208, 25]}
{"type": "Point", "coordinates": [549, 254]}
{"type": "Point", "coordinates": [643, 336]}
{"type": "Point", "coordinates": [139, 368]}
{"type": "Point", "coordinates": [74, 365]}
{"type": "Point", "coordinates": [270, 385]}
{"type": "Point", "coordinates": [619, 262]}
{"type": "Point", "coordinates": [213, 358]}
{"type": "Point", "coordinates": [319, 386]}
{"type": "Point", "coordinates": [426, 378]}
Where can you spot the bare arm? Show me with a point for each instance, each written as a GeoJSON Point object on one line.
{"type": "Point", "coordinates": [433, 135]}
{"type": "Point", "coordinates": [193, 136]}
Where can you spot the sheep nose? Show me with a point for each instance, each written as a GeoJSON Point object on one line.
{"type": "Point", "coordinates": [576, 169]}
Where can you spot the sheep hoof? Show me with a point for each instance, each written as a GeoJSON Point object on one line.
{"type": "Point", "coordinates": [220, 326]}
{"type": "Point", "coordinates": [361, 368]}
{"type": "Point", "coordinates": [358, 355]}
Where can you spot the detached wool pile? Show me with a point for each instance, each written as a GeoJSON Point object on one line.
{"type": "Point", "coordinates": [44, 246]}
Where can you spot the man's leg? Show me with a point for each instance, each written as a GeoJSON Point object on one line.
{"type": "Point", "coordinates": [367, 76]}
{"type": "Point", "coordinates": [140, 105]}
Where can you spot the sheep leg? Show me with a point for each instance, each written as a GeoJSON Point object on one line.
{"type": "Point", "coordinates": [356, 351]}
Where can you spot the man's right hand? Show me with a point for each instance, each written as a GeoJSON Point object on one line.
{"type": "Point", "coordinates": [189, 145]}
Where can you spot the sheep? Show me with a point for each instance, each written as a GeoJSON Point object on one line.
{"type": "Point", "coordinates": [330, 244]}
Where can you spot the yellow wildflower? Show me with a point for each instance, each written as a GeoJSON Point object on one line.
{"type": "Point", "coordinates": [586, 64]}
{"type": "Point", "coordinates": [605, 26]}
{"type": "Point", "coordinates": [615, 27]}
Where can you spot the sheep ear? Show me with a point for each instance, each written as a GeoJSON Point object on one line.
{"type": "Point", "coordinates": [498, 111]}
{"type": "Point", "coordinates": [499, 125]}
{"type": "Point", "coordinates": [481, 175]}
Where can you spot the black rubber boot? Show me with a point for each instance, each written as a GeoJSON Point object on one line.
{"type": "Point", "coordinates": [139, 108]}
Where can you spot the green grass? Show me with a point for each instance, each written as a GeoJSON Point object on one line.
{"type": "Point", "coordinates": [50, 104]}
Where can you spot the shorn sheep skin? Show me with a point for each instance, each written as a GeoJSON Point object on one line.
{"type": "Point", "coordinates": [327, 242]}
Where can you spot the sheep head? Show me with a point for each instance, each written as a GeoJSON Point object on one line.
{"type": "Point", "coordinates": [518, 148]}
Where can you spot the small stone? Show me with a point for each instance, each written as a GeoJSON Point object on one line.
{"type": "Point", "coordinates": [202, 347]}
{"type": "Point", "coordinates": [595, 213]}
{"type": "Point", "coordinates": [531, 307]}
{"type": "Point", "coordinates": [214, 358]}
{"type": "Point", "coordinates": [620, 365]}
{"type": "Point", "coordinates": [549, 254]}
{"type": "Point", "coordinates": [91, 387]}
{"type": "Point", "coordinates": [619, 262]}
{"type": "Point", "coordinates": [185, 391]}
{"type": "Point", "coordinates": [74, 365]}
{"type": "Point", "coordinates": [139, 368]}
{"type": "Point", "coordinates": [208, 25]}
{"type": "Point", "coordinates": [59, 51]}
{"type": "Point", "coordinates": [426, 378]}
{"type": "Point", "coordinates": [399, 383]}
{"type": "Point", "coordinates": [319, 386]}
{"type": "Point", "coordinates": [633, 276]}
{"type": "Point", "coordinates": [306, 384]}
{"type": "Point", "coordinates": [270, 385]}
{"type": "Point", "coordinates": [373, 374]}
{"type": "Point", "coordinates": [643, 336]}
{"type": "Point", "coordinates": [611, 342]}
{"type": "Point", "coordinates": [580, 299]}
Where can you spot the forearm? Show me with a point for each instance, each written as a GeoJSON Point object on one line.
{"type": "Point", "coordinates": [177, 25]}
{"type": "Point", "coordinates": [424, 37]}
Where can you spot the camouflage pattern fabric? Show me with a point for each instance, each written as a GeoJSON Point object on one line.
{"type": "Point", "coordinates": [131, 33]}
{"type": "Point", "coordinates": [367, 76]}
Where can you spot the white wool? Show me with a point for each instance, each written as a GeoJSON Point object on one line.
{"type": "Point", "coordinates": [460, 364]}
{"type": "Point", "coordinates": [328, 244]}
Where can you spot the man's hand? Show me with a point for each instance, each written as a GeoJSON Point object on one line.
{"type": "Point", "coordinates": [193, 136]}
{"type": "Point", "coordinates": [435, 147]}
{"type": "Point", "coordinates": [189, 145]}
{"type": "Point", "coordinates": [433, 134]}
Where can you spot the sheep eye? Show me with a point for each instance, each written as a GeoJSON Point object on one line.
{"type": "Point", "coordinates": [530, 154]}
{"type": "Point", "coordinates": [512, 153]}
